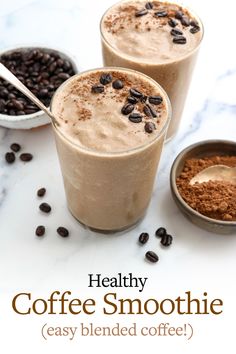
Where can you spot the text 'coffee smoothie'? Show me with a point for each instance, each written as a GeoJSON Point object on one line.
{"type": "Point", "coordinates": [157, 38]}
{"type": "Point", "coordinates": [112, 124]}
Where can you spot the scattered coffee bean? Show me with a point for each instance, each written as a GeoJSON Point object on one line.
{"type": "Point", "coordinates": [135, 93]}
{"type": "Point", "coordinates": [149, 127]}
{"type": "Point", "coordinates": [135, 117]}
{"type": "Point", "coordinates": [179, 40]}
{"type": "Point", "coordinates": [15, 147]}
{"type": "Point", "coordinates": [194, 29]}
{"type": "Point", "coordinates": [147, 111]}
{"type": "Point", "coordinates": [194, 23]}
{"type": "Point", "coordinates": [10, 157]}
{"type": "Point", "coordinates": [132, 100]}
{"type": "Point", "coordinates": [161, 14]}
{"type": "Point", "coordinates": [141, 12]}
{"type": "Point", "coordinates": [176, 32]}
{"type": "Point", "coordinates": [152, 256]}
{"type": "Point", "coordinates": [45, 207]}
{"type": "Point", "coordinates": [97, 88]}
{"type": "Point", "coordinates": [143, 99]}
{"type": "Point", "coordinates": [160, 232]}
{"type": "Point", "coordinates": [117, 84]}
{"type": "Point", "coordinates": [178, 14]}
{"type": "Point", "coordinates": [127, 109]}
{"type": "Point", "coordinates": [172, 22]}
{"type": "Point", "coordinates": [105, 79]}
{"type": "Point", "coordinates": [156, 100]}
{"type": "Point", "coordinates": [41, 192]}
{"type": "Point", "coordinates": [40, 230]}
{"type": "Point", "coordinates": [26, 157]}
{"type": "Point", "coordinates": [62, 231]}
{"type": "Point", "coordinates": [166, 240]}
{"type": "Point", "coordinates": [143, 238]}
{"type": "Point", "coordinates": [149, 5]}
{"type": "Point", "coordinates": [185, 21]}
{"type": "Point", "coordinates": [152, 111]}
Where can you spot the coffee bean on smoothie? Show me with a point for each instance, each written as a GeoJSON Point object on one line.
{"type": "Point", "coordinates": [172, 22]}
{"type": "Point", "coordinates": [178, 14]}
{"type": "Point", "coordinates": [26, 157]}
{"type": "Point", "coordinates": [161, 13]}
{"type": "Point", "coordinates": [62, 231]}
{"type": "Point", "coordinates": [40, 230]}
{"type": "Point", "coordinates": [127, 109]}
{"type": "Point", "coordinates": [149, 111]}
{"type": "Point", "coordinates": [132, 99]}
{"type": "Point", "coordinates": [45, 208]}
{"type": "Point", "coordinates": [152, 256]}
{"type": "Point", "coordinates": [117, 84]}
{"type": "Point", "coordinates": [194, 29]}
{"type": "Point", "coordinates": [185, 21]}
{"type": "Point", "coordinates": [15, 147]}
{"type": "Point", "coordinates": [176, 32]}
{"type": "Point", "coordinates": [149, 127]}
{"type": "Point", "coordinates": [141, 13]}
{"type": "Point", "coordinates": [156, 100]}
{"type": "Point", "coordinates": [10, 157]}
{"type": "Point", "coordinates": [143, 238]}
{"type": "Point", "coordinates": [41, 192]}
{"type": "Point", "coordinates": [160, 232]}
{"type": "Point", "coordinates": [97, 88]}
{"type": "Point", "coordinates": [135, 117]}
{"type": "Point", "coordinates": [135, 93]}
{"type": "Point", "coordinates": [166, 240]}
{"type": "Point", "coordinates": [105, 79]}
{"type": "Point", "coordinates": [179, 40]}
{"type": "Point", "coordinates": [149, 5]}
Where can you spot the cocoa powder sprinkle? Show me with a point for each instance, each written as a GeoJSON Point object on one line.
{"type": "Point", "coordinates": [214, 199]}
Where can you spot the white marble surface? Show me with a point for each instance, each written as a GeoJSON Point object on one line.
{"type": "Point", "coordinates": [198, 261]}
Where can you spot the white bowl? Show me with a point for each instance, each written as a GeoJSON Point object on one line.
{"type": "Point", "coordinates": [29, 121]}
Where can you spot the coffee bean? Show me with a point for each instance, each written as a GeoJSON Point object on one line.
{"type": "Point", "coordinates": [127, 109]}
{"type": "Point", "coordinates": [135, 93]}
{"type": "Point", "coordinates": [41, 192]}
{"type": "Point", "coordinates": [156, 100]}
{"type": "Point", "coordinates": [45, 207]}
{"type": "Point", "coordinates": [176, 32]}
{"type": "Point", "coordinates": [179, 14]}
{"type": "Point", "coordinates": [117, 84]}
{"type": "Point", "coordinates": [152, 256]}
{"type": "Point", "coordinates": [40, 231]}
{"type": "Point", "coordinates": [63, 76]}
{"type": "Point", "coordinates": [179, 40]}
{"type": "Point", "coordinates": [105, 79]}
{"type": "Point", "coordinates": [143, 99]}
{"type": "Point", "coordinates": [20, 113]}
{"type": "Point", "coordinates": [141, 12]}
{"type": "Point", "coordinates": [132, 100]}
{"type": "Point", "coordinates": [185, 21]}
{"type": "Point", "coordinates": [194, 23]}
{"type": "Point", "coordinates": [43, 93]}
{"type": "Point", "coordinates": [143, 238]}
{"type": "Point", "coordinates": [15, 147]}
{"type": "Point", "coordinates": [62, 231]}
{"type": "Point", "coordinates": [172, 22]}
{"type": "Point", "coordinates": [161, 14]}
{"type": "Point", "coordinates": [97, 88]}
{"type": "Point", "coordinates": [149, 111]}
{"type": "Point", "coordinates": [194, 29]}
{"type": "Point", "coordinates": [135, 117]}
{"type": "Point", "coordinates": [26, 157]}
{"type": "Point", "coordinates": [149, 5]}
{"type": "Point", "coordinates": [160, 232]}
{"type": "Point", "coordinates": [10, 157]}
{"type": "Point", "coordinates": [166, 240]}
{"type": "Point", "coordinates": [149, 127]}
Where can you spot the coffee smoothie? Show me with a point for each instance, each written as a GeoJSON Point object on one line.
{"type": "Point", "coordinates": [111, 127]}
{"type": "Point", "coordinates": [160, 39]}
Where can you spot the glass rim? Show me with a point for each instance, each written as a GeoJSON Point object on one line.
{"type": "Point", "coordinates": [122, 152]}
{"type": "Point", "coordinates": [136, 60]}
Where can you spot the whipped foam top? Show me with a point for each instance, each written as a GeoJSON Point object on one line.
{"type": "Point", "coordinates": [153, 32]}
{"type": "Point", "coordinates": [125, 111]}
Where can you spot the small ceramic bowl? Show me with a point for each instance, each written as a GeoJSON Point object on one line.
{"type": "Point", "coordinates": [29, 121]}
{"type": "Point", "coordinates": [199, 150]}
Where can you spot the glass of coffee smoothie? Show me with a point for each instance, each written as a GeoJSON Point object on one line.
{"type": "Point", "coordinates": [160, 39]}
{"type": "Point", "coordinates": [111, 127]}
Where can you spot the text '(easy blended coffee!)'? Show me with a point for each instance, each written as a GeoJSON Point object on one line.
{"type": "Point", "coordinates": [112, 125]}
{"type": "Point", "coordinates": [160, 39]}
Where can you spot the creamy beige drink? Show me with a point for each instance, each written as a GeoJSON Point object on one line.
{"type": "Point", "coordinates": [160, 39]}
{"type": "Point", "coordinates": [112, 124]}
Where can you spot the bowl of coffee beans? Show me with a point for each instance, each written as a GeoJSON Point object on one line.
{"type": "Point", "coordinates": [42, 70]}
{"type": "Point", "coordinates": [207, 199]}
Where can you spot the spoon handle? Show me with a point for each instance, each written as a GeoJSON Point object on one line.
{"type": "Point", "coordinates": [12, 79]}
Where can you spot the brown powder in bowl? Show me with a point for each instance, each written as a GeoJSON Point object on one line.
{"type": "Point", "coordinates": [215, 199]}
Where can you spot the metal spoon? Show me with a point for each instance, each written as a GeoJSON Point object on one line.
{"type": "Point", "coordinates": [216, 173]}
{"type": "Point", "coordinates": [12, 79]}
